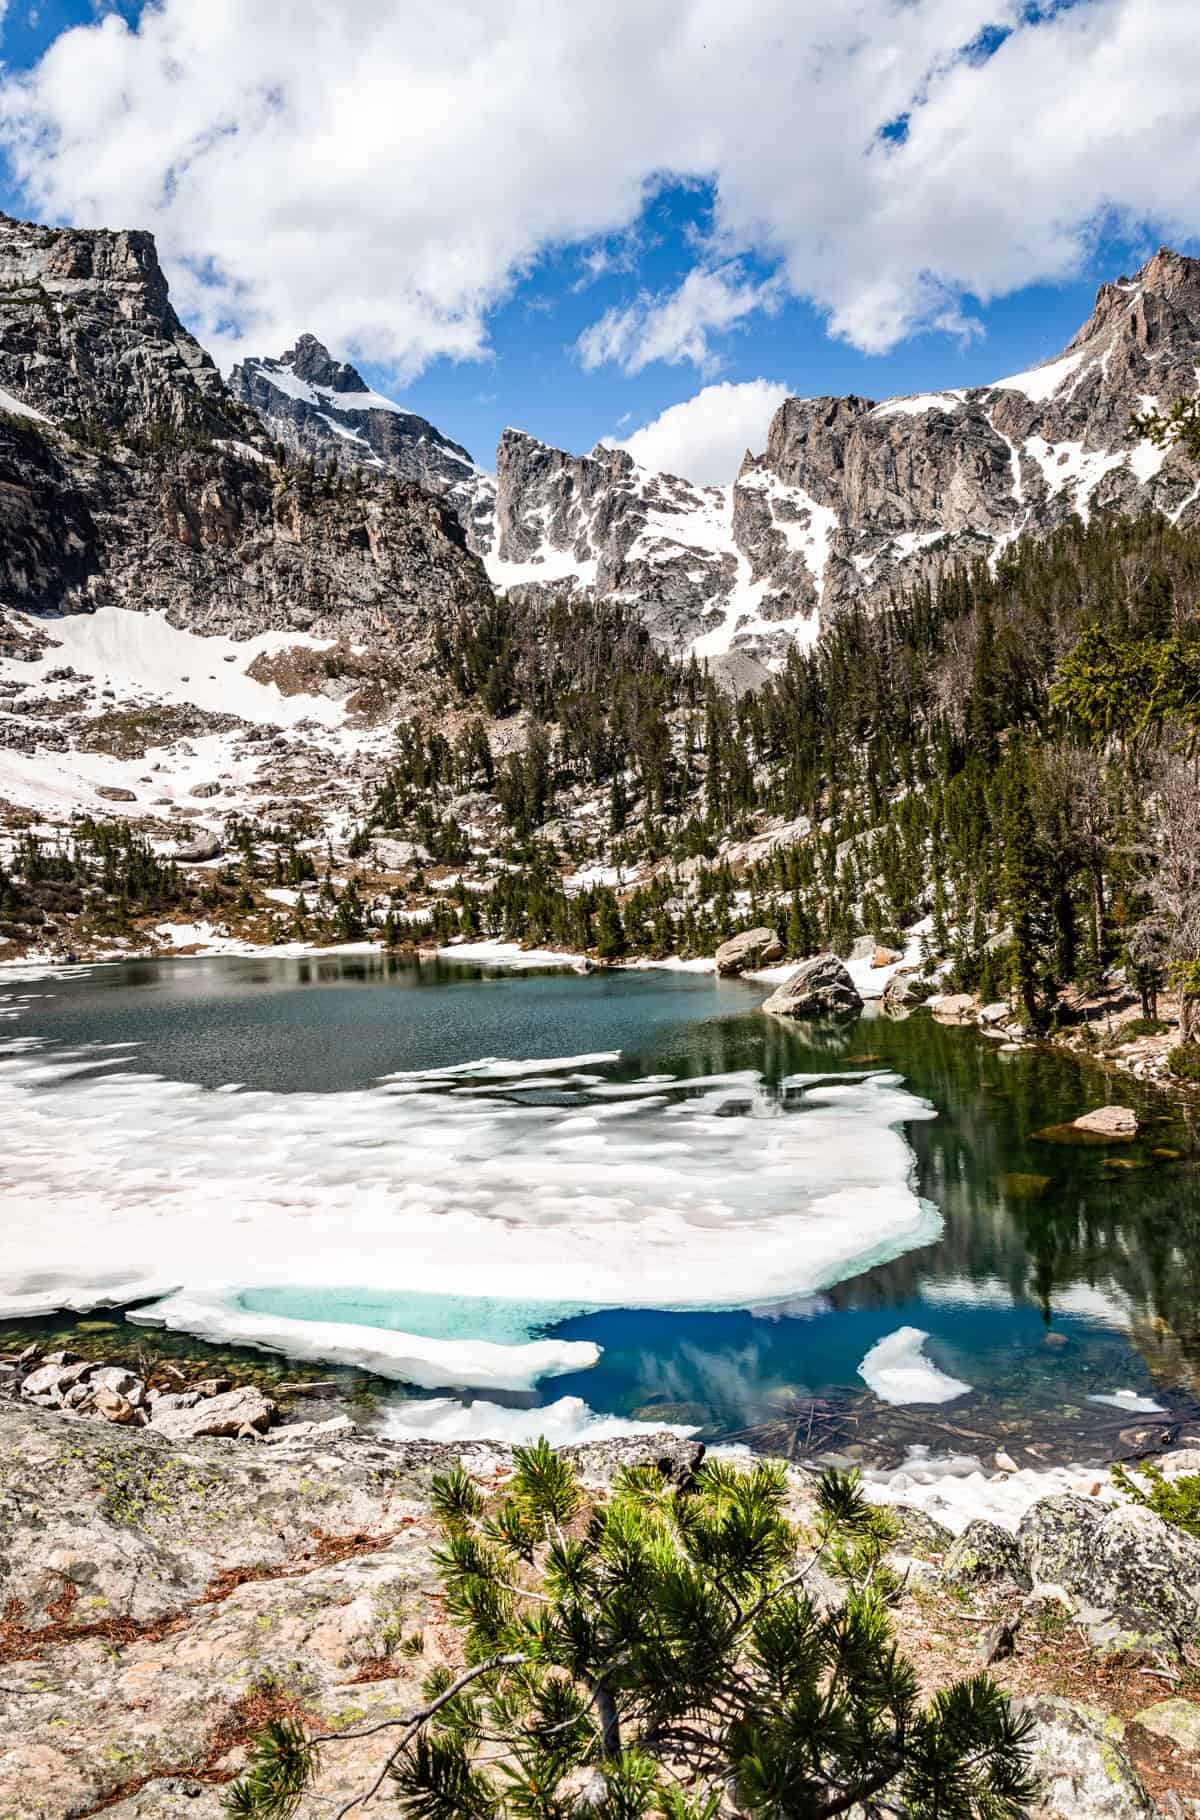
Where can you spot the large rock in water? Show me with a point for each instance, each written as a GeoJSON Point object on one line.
{"type": "Point", "coordinates": [752, 948]}
{"type": "Point", "coordinates": [1135, 1579]}
{"type": "Point", "coordinates": [817, 988]}
{"type": "Point", "coordinates": [1110, 1122]}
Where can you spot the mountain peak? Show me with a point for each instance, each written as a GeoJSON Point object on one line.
{"type": "Point", "coordinates": [1168, 281]}
{"type": "Point", "coordinates": [311, 361]}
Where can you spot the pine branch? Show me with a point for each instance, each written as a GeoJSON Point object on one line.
{"type": "Point", "coordinates": [413, 1723]}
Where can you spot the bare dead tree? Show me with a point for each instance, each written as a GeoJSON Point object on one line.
{"type": "Point", "coordinates": [1171, 879]}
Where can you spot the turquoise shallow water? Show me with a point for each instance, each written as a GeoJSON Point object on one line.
{"type": "Point", "coordinates": [1061, 1273]}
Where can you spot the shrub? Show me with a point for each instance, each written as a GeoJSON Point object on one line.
{"type": "Point", "coordinates": [1176, 1501]}
{"type": "Point", "coordinates": [1184, 1062]}
{"type": "Point", "coordinates": [1141, 1026]}
{"type": "Point", "coordinates": [662, 1653]}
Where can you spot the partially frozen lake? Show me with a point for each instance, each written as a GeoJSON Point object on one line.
{"type": "Point", "coordinates": [544, 1201]}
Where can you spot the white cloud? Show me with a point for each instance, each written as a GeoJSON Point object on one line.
{"type": "Point", "coordinates": [705, 437]}
{"type": "Point", "coordinates": [676, 326]}
{"type": "Point", "coordinates": [386, 176]}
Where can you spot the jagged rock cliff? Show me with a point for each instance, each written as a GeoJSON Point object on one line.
{"type": "Point", "coordinates": [323, 407]}
{"type": "Point", "coordinates": [907, 485]}
{"type": "Point", "coordinates": [602, 523]}
{"type": "Point", "coordinates": [88, 335]}
{"type": "Point", "coordinates": [130, 475]}
{"type": "Point", "coordinates": [852, 500]}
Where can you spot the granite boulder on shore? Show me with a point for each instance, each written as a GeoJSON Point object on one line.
{"type": "Point", "coordinates": [820, 987]}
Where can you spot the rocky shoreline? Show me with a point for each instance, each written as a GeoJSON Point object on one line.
{"type": "Point", "coordinates": [164, 1593]}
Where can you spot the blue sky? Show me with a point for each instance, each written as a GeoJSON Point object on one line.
{"type": "Point", "coordinates": [574, 228]}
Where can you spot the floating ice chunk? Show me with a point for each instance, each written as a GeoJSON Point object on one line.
{"type": "Point", "coordinates": [498, 1068]}
{"type": "Point", "coordinates": [898, 1371]}
{"type": "Point", "coordinates": [1131, 1401]}
{"type": "Point", "coordinates": [562, 1423]}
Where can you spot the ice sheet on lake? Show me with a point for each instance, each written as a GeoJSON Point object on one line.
{"type": "Point", "coordinates": [411, 1358]}
{"type": "Point", "coordinates": [122, 1186]}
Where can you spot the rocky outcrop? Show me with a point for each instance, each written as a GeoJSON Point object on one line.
{"type": "Point", "coordinates": [752, 948]}
{"type": "Point", "coordinates": [164, 1599]}
{"type": "Point", "coordinates": [1134, 1578]}
{"type": "Point", "coordinates": [88, 336]}
{"type": "Point", "coordinates": [820, 987]}
{"type": "Point", "coordinates": [1077, 1759]}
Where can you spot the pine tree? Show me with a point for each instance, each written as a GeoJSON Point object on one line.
{"type": "Point", "coordinates": [610, 930]}
{"type": "Point", "coordinates": [670, 1627]}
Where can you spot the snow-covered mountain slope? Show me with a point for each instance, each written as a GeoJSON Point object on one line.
{"type": "Point", "coordinates": [852, 500]}
{"type": "Point", "coordinates": [323, 407]}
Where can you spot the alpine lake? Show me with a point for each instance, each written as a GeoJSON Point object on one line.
{"type": "Point", "coordinates": [1049, 1275]}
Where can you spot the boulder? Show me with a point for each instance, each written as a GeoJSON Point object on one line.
{"type": "Point", "coordinates": [1110, 1122]}
{"type": "Point", "coordinates": [905, 989]}
{"type": "Point", "coordinates": [213, 789]}
{"type": "Point", "coordinates": [1077, 1757]}
{"type": "Point", "coordinates": [984, 1551]}
{"type": "Point", "coordinates": [917, 1532]}
{"type": "Point", "coordinates": [1134, 1579]}
{"type": "Point", "coordinates": [197, 851]}
{"type": "Point", "coordinates": [116, 1378]}
{"type": "Point", "coordinates": [228, 1415]}
{"type": "Point", "coordinates": [113, 793]}
{"type": "Point", "coordinates": [49, 1384]}
{"type": "Point", "coordinates": [165, 1400]}
{"type": "Point", "coordinates": [886, 957]}
{"type": "Point", "coordinates": [818, 987]}
{"type": "Point", "coordinates": [752, 948]}
{"type": "Point", "coordinates": [954, 1008]}
{"type": "Point", "coordinates": [995, 1013]}
{"type": "Point", "coordinates": [296, 1433]}
{"type": "Point", "coordinates": [393, 855]}
{"type": "Point", "coordinates": [111, 1405]}
{"type": "Point", "coordinates": [1176, 1720]}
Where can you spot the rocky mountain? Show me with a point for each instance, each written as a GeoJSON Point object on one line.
{"type": "Point", "coordinates": [89, 340]}
{"type": "Point", "coordinates": [853, 499]}
{"type": "Point", "coordinates": [319, 406]}
{"type": "Point", "coordinates": [131, 476]}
